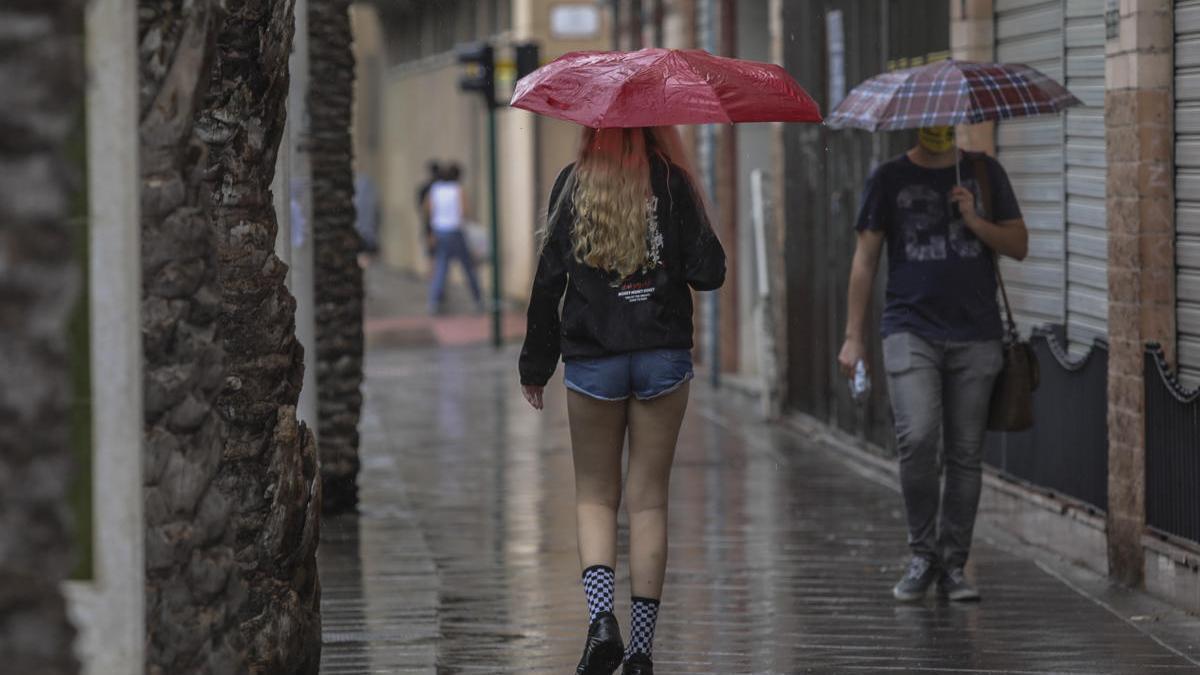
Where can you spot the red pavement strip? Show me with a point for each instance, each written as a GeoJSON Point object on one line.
{"type": "Point", "coordinates": [443, 331]}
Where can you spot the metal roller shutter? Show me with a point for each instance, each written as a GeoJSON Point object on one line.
{"type": "Point", "coordinates": [1031, 150]}
{"type": "Point", "coordinates": [1087, 229]}
{"type": "Point", "coordinates": [1187, 187]}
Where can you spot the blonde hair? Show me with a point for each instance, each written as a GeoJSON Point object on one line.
{"type": "Point", "coordinates": [609, 191]}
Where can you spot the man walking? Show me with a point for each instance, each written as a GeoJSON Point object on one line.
{"type": "Point", "coordinates": [941, 333]}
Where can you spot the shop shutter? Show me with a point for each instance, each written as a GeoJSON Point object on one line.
{"type": "Point", "coordinates": [1187, 187]}
{"type": "Point", "coordinates": [1031, 150]}
{"type": "Point", "coordinates": [1087, 231]}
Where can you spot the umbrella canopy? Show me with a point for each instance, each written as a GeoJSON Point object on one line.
{"type": "Point", "coordinates": [947, 93]}
{"type": "Point", "coordinates": [660, 87]}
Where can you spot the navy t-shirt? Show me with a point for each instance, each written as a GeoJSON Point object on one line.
{"type": "Point", "coordinates": [941, 277]}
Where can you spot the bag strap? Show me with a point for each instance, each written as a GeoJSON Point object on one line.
{"type": "Point", "coordinates": [983, 180]}
{"type": "Point", "coordinates": [1012, 324]}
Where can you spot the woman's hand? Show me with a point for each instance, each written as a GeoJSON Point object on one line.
{"type": "Point", "coordinates": [533, 394]}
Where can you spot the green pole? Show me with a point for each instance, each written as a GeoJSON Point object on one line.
{"type": "Point", "coordinates": [494, 198]}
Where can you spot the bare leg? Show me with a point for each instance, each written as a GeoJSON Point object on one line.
{"type": "Point", "coordinates": [653, 432]}
{"type": "Point", "coordinates": [597, 438]}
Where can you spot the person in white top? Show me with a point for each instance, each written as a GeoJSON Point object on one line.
{"type": "Point", "coordinates": [446, 205]}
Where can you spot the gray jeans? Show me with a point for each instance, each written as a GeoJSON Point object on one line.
{"type": "Point", "coordinates": [940, 393]}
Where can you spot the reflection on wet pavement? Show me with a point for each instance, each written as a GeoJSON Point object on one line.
{"type": "Point", "coordinates": [782, 558]}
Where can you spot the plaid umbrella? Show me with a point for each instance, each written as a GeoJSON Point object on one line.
{"type": "Point", "coordinates": [947, 93]}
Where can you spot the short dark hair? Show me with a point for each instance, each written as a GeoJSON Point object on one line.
{"type": "Point", "coordinates": [452, 172]}
{"type": "Point", "coordinates": [434, 167]}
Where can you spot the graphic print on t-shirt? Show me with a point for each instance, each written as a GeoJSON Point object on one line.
{"type": "Point", "coordinates": [941, 279]}
{"type": "Point", "coordinates": [921, 210]}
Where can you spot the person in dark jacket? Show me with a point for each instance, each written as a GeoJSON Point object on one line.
{"type": "Point", "coordinates": [627, 240]}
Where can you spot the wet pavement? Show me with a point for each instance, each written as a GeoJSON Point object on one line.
{"type": "Point", "coordinates": [463, 560]}
{"type": "Point", "coordinates": [398, 315]}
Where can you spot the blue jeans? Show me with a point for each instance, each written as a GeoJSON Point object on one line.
{"type": "Point", "coordinates": [451, 246]}
{"type": "Point", "coordinates": [940, 393]}
{"type": "Point", "coordinates": [644, 375]}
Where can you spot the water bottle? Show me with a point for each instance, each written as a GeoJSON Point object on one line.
{"type": "Point", "coordinates": [860, 384]}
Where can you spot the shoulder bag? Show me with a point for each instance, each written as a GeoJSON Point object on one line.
{"type": "Point", "coordinates": [1011, 407]}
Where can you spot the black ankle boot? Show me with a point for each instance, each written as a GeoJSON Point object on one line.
{"type": "Point", "coordinates": [638, 664]}
{"type": "Point", "coordinates": [604, 649]}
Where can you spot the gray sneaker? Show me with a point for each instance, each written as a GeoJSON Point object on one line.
{"type": "Point", "coordinates": [917, 579]}
{"type": "Point", "coordinates": [953, 584]}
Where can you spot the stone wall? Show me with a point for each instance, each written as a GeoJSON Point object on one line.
{"type": "Point", "coordinates": [1141, 254]}
{"type": "Point", "coordinates": [41, 76]}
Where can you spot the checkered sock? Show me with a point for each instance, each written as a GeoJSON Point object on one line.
{"type": "Point", "coordinates": [599, 582]}
{"type": "Point", "coordinates": [643, 617]}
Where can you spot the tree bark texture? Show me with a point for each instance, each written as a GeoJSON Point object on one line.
{"type": "Point", "coordinates": [193, 588]}
{"type": "Point", "coordinates": [41, 93]}
{"type": "Point", "coordinates": [269, 466]}
{"type": "Point", "coordinates": [338, 277]}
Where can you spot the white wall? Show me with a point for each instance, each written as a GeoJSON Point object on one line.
{"type": "Point", "coordinates": [109, 609]}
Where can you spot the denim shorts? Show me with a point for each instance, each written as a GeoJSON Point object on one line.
{"type": "Point", "coordinates": [643, 375]}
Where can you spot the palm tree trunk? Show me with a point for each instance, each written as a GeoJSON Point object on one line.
{"type": "Point", "coordinates": [193, 588]}
{"type": "Point", "coordinates": [41, 80]}
{"type": "Point", "coordinates": [269, 467]}
{"type": "Point", "coordinates": [338, 278]}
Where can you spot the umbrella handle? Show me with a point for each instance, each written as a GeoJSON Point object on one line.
{"type": "Point", "coordinates": [957, 180]}
{"type": "Point", "coordinates": [957, 166]}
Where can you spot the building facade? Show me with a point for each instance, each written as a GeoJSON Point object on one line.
{"type": "Point", "coordinates": [423, 116]}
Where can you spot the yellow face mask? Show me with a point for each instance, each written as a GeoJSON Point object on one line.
{"type": "Point", "coordinates": [936, 139]}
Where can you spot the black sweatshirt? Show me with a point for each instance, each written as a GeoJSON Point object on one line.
{"type": "Point", "coordinates": [605, 315]}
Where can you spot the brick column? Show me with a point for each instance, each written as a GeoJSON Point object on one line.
{"type": "Point", "coordinates": [1141, 255]}
{"type": "Point", "coordinates": [973, 38]}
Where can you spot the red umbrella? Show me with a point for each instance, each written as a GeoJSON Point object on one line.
{"type": "Point", "coordinates": [661, 87]}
